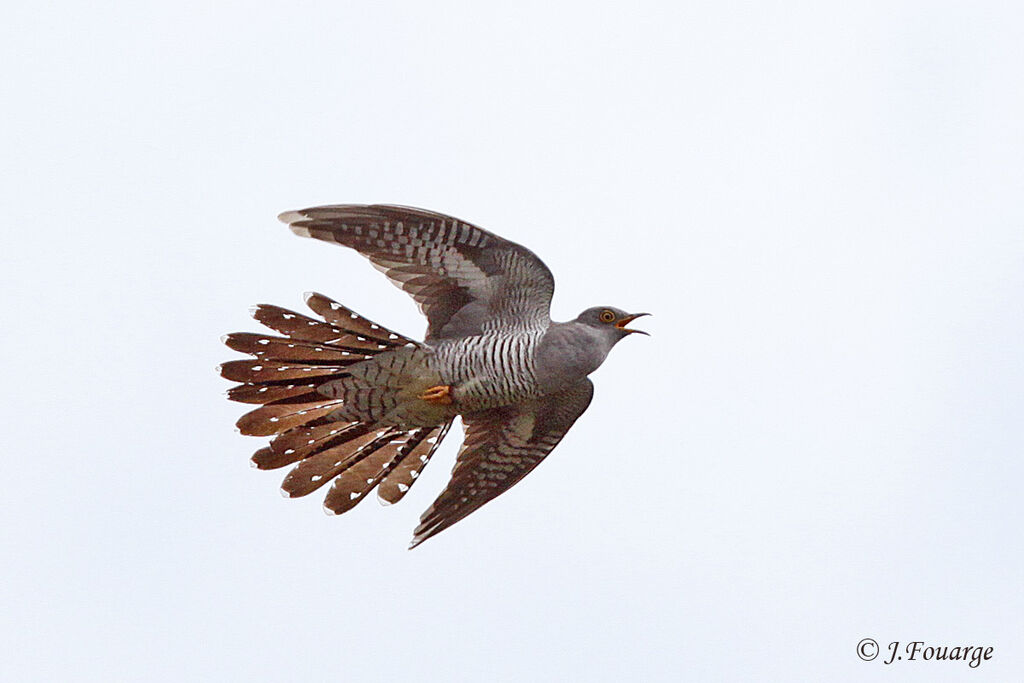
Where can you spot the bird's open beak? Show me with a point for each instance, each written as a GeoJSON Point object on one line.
{"type": "Point", "coordinates": [622, 322]}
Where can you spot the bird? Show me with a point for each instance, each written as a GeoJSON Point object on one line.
{"type": "Point", "coordinates": [353, 403]}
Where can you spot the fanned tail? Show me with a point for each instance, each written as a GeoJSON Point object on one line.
{"type": "Point", "coordinates": [295, 379]}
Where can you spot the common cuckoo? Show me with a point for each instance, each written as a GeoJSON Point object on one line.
{"type": "Point", "coordinates": [351, 402]}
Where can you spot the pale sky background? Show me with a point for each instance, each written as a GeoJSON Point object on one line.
{"type": "Point", "coordinates": [821, 203]}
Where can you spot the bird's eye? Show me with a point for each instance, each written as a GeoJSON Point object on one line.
{"type": "Point", "coordinates": [607, 317]}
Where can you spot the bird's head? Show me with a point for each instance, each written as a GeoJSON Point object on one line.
{"type": "Point", "coordinates": [610, 321]}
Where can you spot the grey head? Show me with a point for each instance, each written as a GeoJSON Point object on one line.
{"type": "Point", "coordinates": [610, 322]}
{"type": "Point", "coordinates": [572, 350]}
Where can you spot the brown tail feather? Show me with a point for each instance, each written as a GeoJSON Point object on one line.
{"type": "Point", "coordinates": [268, 347]}
{"type": "Point", "coordinates": [287, 379]}
{"type": "Point", "coordinates": [267, 458]}
{"type": "Point", "coordinates": [352, 322]}
{"type": "Point", "coordinates": [309, 439]}
{"type": "Point", "coordinates": [278, 417]}
{"type": "Point", "coordinates": [300, 443]}
{"type": "Point", "coordinates": [359, 478]}
{"type": "Point", "coordinates": [402, 476]}
{"type": "Point", "coordinates": [296, 325]}
{"type": "Point", "coordinates": [316, 470]}
{"type": "Point", "coordinates": [270, 393]}
{"type": "Point", "coordinates": [270, 372]}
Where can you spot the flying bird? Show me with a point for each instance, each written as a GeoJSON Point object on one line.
{"type": "Point", "coordinates": [350, 402]}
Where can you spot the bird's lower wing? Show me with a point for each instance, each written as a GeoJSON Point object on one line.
{"type": "Point", "coordinates": [501, 446]}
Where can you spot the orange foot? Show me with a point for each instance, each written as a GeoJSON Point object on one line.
{"type": "Point", "coordinates": [441, 395]}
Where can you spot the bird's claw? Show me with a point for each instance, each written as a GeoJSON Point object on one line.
{"type": "Point", "coordinates": [441, 394]}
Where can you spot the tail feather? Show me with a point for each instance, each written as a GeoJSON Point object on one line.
{"type": "Point", "coordinates": [297, 381]}
{"type": "Point", "coordinates": [307, 440]}
{"type": "Point", "coordinates": [359, 478]}
{"type": "Point", "coordinates": [270, 393]}
{"type": "Point", "coordinates": [316, 470]}
{"type": "Point", "coordinates": [267, 458]}
{"type": "Point", "coordinates": [300, 443]}
{"type": "Point", "coordinates": [278, 417]}
{"type": "Point", "coordinates": [271, 372]}
{"type": "Point", "coordinates": [403, 473]}
{"type": "Point", "coordinates": [352, 322]}
{"type": "Point", "coordinates": [267, 347]}
{"type": "Point", "coordinates": [343, 331]}
{"type": "Point", "coordinates": [296, 325]}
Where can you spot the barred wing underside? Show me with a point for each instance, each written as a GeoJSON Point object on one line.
{"type": "Point", "coordinates": [502, 446]}
{"type": "Point", "coordinates": [466, 280]}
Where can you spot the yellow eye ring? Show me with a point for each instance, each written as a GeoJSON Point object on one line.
{"type": "Point", "coordinates": [607, 317]}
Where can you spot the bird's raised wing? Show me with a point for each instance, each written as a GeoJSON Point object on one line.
{"type": "Point", "coordinates": [501, 446]}
{"type": "Point", "coordinates": [466, 280]}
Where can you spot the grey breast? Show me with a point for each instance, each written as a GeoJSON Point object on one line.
{"type": "Point", "coordinates": [491, 369]}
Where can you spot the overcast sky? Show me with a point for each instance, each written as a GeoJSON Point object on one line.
{"type": "Point", "coordinates": [821, 203]}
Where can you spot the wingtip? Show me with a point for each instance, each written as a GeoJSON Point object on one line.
{"type": "Point", "coordinates": [420, 534]}
{"type": "Point", "coordinates": [293, 220]}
